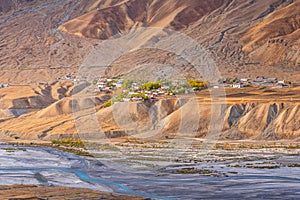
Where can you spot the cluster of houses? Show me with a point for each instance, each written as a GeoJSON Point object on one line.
{"type": "Point", "coordinates": [134, 91]}
{"type": "Point", "coordinates": [140, 95]}
{"type": "Point", "coordinates": [271, 82]}
{"type": "Point", "coordinates": [108, 85]}
{"type": "Point", "coordinates": [132, 88]}
{"type": "Point", "coordinates": [259, 81]}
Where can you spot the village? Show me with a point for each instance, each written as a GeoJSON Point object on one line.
{"type": "Point", "coordinates": [259, 81]}
{"type": "Point", "coordinates": [129, 90]}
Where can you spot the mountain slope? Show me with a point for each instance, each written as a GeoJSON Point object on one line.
{"type": "Point", "coordinates": [31, 47]}
{"type": "Point", "coordinates": [276, 38]}
{"type": "Point", "coordinates": [39, 39]}
{"type": "Point", "coordinates": [104, 23]}
{"type": "Point", "coordinates": [238, 32]}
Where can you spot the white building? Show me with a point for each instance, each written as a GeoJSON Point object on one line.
{"type": "Point", "coordinates": [137, 99]}
{"type": "Point", "coordinates": [101, 85]}
{"type": "Point", "coordinates": [244, 80]}
{"type": "Point", "coordinates": [238, 85]}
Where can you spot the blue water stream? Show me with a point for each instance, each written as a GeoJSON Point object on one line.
{"type": "Point", "coordinates": [86, 178]}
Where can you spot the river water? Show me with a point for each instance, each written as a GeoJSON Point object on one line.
{"type": "Point", "coordinates": [269, 177]}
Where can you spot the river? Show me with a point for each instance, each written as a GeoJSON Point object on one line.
{"type": "Point", "coordinates": [270, 177]}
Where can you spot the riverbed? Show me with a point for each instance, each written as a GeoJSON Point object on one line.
{"type": "Point", "coordinates": [252, 174]}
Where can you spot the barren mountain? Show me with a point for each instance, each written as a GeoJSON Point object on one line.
{"type": "Point", "coordinates": [246, 37]}
{"type": "Point", "coordinates": [276, 38]}
{"type": "Point", "coordinates": [127, 15]}
{"type": "Point", "coordinates": [31, 47]}
{"type": "Point", "coordinates": [44, 40]}
{"type": "Point", "coordinates": [41, 41]}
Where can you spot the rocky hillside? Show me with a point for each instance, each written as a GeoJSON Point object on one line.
{"type": "Point", "coordinates": [127, 15]}
{"type": "Point", "coordinates": [44, 40]}
{"type": "Point", "coordinates": [258, 115]}
{"type": "Point", "coordinates": [275, 39]}
{"type": "Point", "coordinates": [31, 47]}
{"type": "Point", "coordinates": [247, 37]}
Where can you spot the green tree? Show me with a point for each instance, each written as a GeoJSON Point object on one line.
{"type": "Point", "coordinates": [197, 84]}
{"type": "Point", "coordinates": [143, 95]}
{"type": "Point", "coordinates": [235, 80]}
{"type": "Point", "coordinates": [151, 86]}
{"type": "Point", "coordinates": [108, 103]}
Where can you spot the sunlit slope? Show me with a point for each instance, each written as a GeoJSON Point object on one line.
{"type": "Point", "coordinates": [276, 38]}
{"type": "Point", "coordinates": [257, 116]}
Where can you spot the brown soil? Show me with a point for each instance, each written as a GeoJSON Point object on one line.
{"type": "Point", "coordinates": [33, 192]}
